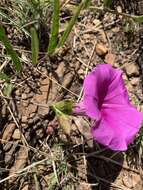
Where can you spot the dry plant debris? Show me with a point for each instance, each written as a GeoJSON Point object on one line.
{"type": "Point", "coordinates": [34, 151]}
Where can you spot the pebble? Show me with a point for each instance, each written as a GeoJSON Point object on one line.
{"type": "Point", "coordinates": [24, 119]}
{"type": "Point", "coordinates": [127, 181]}
{"type": "Point", "coordinates": [24, 96]}
{"type": "Point", "coordinates": [26, 187]}
{"type": "Point", "coordinates": [17, 92]}
{"type": "Point", "coordinates": [17, 134]}
{"type": "Point", "coordinates": [25, 103]}
{"type": "Point", "coordinates": [135, 81]}
{"type": "Point", "coordinates": [101, 49]}
{"type": "Point", "coordinates": [32, 108]}
{"type": "Point", "coordinates": [8, 132]}
{"type": "Point", "coordinates": [132, 70]}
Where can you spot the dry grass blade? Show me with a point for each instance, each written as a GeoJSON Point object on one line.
{"type": "Point", "coordinates": [26, 169]}
{"type": "Point", "coordinates": [107, 3]}
{"type": "Point", "coordinates": [72, 23]}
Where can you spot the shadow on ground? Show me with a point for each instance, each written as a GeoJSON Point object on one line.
{"type": "Point", "coordinates": [101, 171]}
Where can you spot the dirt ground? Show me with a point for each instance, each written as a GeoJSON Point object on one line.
{"type": "Point", "coordinates": [35, 153]}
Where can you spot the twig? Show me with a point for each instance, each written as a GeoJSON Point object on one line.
{"type": "Point", "coordinates": [53, 80]}
{"type": "Point", "coordinates": [87, 68]}
{"type": "Point", "coordinates": [116, 163]}
{"type": "Point", "coordinates": [24, 169]}
{"type": "Point", "coordinates": [23, 138]}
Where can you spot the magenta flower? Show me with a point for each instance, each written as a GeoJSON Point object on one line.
{"type": "Point", "coordinates": [107, 102]}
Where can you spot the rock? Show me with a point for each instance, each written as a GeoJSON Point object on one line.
{"type": "Point", "coordinates": [8, 131]}
{"type": "Point", "coordinates": [61, 70]}
{"type": "Point", "coordinates": [9, 155]}
{"type": "Point", "coordinates": [32, 108]}
{"type": "Point", "coordinates": [17, 134]}
{"type": "Point", "coordinates": [110, 58]}
{"type": "Point", "coordinates": [20, 162]}
{"type": "Point", "coordinates": [24, 96]}
{"type": "Point", "coordinates": [24, 119]}
{"type": "Point", "coordinates": [127, 181]}
{"type": "Point", "coordinates": [26, 187]}
{"type": "Point", "coordinates": [101, 49]}
{"type": "Point", "coordinates": [17, 92]}
{"type": "Point", "coordinates": [132, 70]}
{"type": "Point", "coordinates": [136, 179]}
{"type": "Point", "coordinates": [135, 81]}
{"type": "Point", "coordinates": [45, 82]}
{"type": "Point", "coordinates": [25, 103]}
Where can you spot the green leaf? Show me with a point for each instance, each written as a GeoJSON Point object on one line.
{"type": "Point", "coordinates": [5, 77]}
{"type": "Point", "coordinates": [54, 28]}
{"type": "Point", "coordinates": [8, 89]}
{"type": "Point", "coordinates": [62, 110]}
{"type": "Point", "coordinates": [72, 22]}
{"type": "Point", "coordinates": [107, 3]}
{"type": "Point", "coordinates": [138, 19]}
{"type": "Point", "coordinates": [10, 50]}
{"type": "Point", "coordinates": [34, 46]}
{"type": "Point", "coordinates": [65, 107]}
{"type": "Point", "coordinates": [87, 4]}
{"type": "Point", "coordinates": [65, 123]}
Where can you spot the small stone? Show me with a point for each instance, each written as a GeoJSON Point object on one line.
{"type": "Point", "coordinates": [26, 187]}
{"type": "Point", "coordinates": [32, 108]}
{"type": "Point", "coordinates": [45, 82]}
{"type": "Point", "coordinates": [32, 115]}
{"type": "Point", "coordinates": [30, 95]}
{"type": "Point", "coordinates": [136, 179]}
{"type": "Point", "coordinates": [30, 121]}
{"type": "Point", "coordinates": [8, 131]}
{"type": "Point", "coordinates": [25, 103]}
{"type": "Point", "coordinates": [43, 111]}
{"type": "Point", "coordinates": [110, 58]}
{"type": "Point", "coordinates": [127, 181]}
{"type": "Point", "coordinates": [24, 125]}
{"type": "Point", "coordinates": [17, 134]}
{"type": "Point", "coordinates": [24, 119]}
{"type": "Point", "coordinates": [101, 49]}
{"type": "Point", "coordinates": [132, 70]}
{"type": "Point", "coordinates": [24, 96]}
{"type": "Point", "coordinates": [17, 92]}
{"type": "Point", "coordinates": [119, 9]}
{"type": "Point", "coordinates": [27, 90]}
{"type": "Point", "coordinates": [135, 81]}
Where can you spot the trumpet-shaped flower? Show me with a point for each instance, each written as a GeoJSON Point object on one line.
{"type": "Point", "coordinates": [106, 101]}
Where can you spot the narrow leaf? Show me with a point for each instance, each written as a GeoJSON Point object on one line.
{"type": "Point", "coordinates": [34, 46]}
{"type": "Point", "coordinates": [10, 50]}
{"type": "Point", "coordinates": [8, 89]}
{"type": "Point", "coordinates": [5, 77]}
{"type": "Point", "coordinates": [138, 19]}
{"type": "Point", "coordinates": [65, 123]}
{"type": "Point", "coordinates": [54, 28]}
{"type": "Point", "coordinates": [66, 33]}
{"type": "Point", "coordinates": [107, 3]}
{"type": "Point", "coordinates": [65, 106]}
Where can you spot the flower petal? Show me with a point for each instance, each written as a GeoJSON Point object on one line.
{"type": "Point", "coordinates": [118, 127]}
{"type": "Point", "coordinates": [101, 86]}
